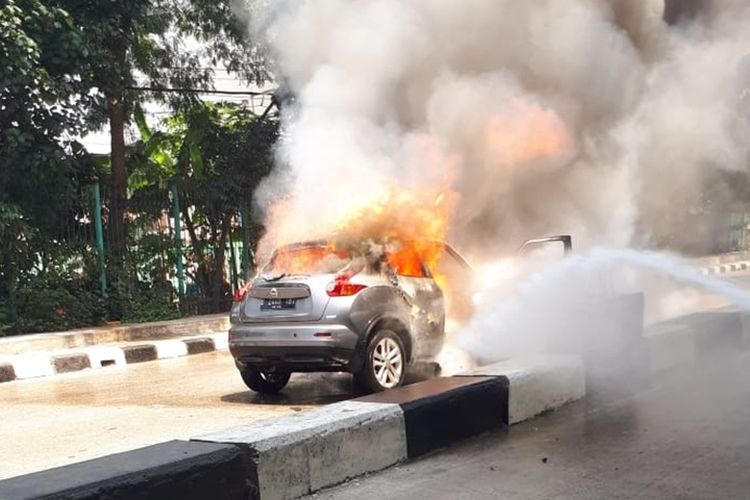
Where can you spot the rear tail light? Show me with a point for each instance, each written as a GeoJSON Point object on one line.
{"type": "Point", "coordinates": [340, 287]}
{"type": "Point", "coordinates": [241, 293]}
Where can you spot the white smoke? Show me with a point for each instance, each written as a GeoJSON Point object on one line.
{"type": "Point", "coordinates": [588, 117]}
{"type": "Point", "coordinates": [554, 309]}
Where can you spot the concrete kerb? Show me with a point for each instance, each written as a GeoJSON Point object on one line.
{"type": "Point", "coordinates": [41, 364]}
{"type": "Point", "coordinates": [725, 268]}
{"type": "Point", "coordinates": [176, 469]}
{"type": "Point", "coordinates": [689, 339]}
{"type": "Point", "coordinates": [295, 455]}
{"type": "Point", "coordinates": [109, 334]}
{"type": "Point", "coordinates": [538, 384]}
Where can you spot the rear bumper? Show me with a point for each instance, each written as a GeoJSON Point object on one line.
{"type": "Point", "coordinates": [293, 347]}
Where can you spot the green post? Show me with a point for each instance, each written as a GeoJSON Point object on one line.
{"type": "Point", "coordinates": [99, 238]}
{"type": "Point", "coordinates": [178, 243]}
{"type": "Point", "coordinates": [233, 263]}
{"type": "Point", "coordinates": [246, 271]}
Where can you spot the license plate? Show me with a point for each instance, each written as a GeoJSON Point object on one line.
{"type": "Point", "coordinates": [278, 304]}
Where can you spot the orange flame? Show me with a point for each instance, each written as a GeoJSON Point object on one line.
{"type": "Point", "coordinates": [408, 222]}
{"type": "Point", "coordinates": [528, 133]}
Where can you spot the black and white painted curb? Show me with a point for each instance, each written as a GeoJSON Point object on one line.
{"type": "Point", "coordinates": [726, 268]}
{"type": "Point", "coordinates": [41, 364]}
{"type": "Point", "coordinates": [292, 456]}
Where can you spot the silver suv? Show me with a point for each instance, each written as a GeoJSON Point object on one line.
{"type": "Point", "coordinates": [317, 308]}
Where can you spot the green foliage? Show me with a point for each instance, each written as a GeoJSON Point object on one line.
{"type": "Point", "coordinates": [149, 302]}
{"type": "Point", "coordinates": [58, 302]}
{"type": "Point", "coordinates": [68, 65]}
{"type": "Point", "coordinates": [218, 154]}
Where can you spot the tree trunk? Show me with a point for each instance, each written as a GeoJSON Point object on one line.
{"type": "Point", "coordinates": [119, 176]}
{"type": "Point", "coordinates": [217, 294]}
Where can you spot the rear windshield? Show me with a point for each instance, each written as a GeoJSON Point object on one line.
{"type": "Point", "coordinates": [307, 260]}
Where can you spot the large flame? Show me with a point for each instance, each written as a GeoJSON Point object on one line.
{"type": "Point", "coordinates": [403, 224]}
{"type": "Point", "coordinates": [407, 224]}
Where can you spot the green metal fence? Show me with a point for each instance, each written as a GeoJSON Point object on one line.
{"type": "Point", "coordinates": [159, 268]}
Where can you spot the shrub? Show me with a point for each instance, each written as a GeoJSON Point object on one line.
{"type": "Point", "coordinates": [149, 302]}
{"type": "Point", "coordinates": [53, 303]}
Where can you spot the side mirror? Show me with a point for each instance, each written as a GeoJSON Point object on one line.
{"type": "Point", "coordinates": [566, 240]}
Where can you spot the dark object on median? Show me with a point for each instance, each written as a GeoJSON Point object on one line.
{"type": "Point", "coordinates": [197, 346]}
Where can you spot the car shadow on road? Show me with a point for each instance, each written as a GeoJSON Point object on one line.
{"type": "Point", "coordinates": [304, 389]}
{"type": "Point", "coordinates": [316, 389]}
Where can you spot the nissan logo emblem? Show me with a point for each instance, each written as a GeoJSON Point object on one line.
{"type": "Point", "coordinates": [274, 293]}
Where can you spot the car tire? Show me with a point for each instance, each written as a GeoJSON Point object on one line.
{"type": "Point", "coordinates": [265, 382]}
{"type": "Point", "coordinates": [385, 363]}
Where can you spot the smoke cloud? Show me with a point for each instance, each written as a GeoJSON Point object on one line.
{"type": "Point", "coordinates": [589, 117]}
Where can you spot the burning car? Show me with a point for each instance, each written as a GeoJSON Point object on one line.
{"type": "Point", "coordinates": [316, 307]}
{"type": "Point", "coordinates": [371, 310]}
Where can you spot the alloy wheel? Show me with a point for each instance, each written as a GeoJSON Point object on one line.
{"type": "Point", "coordinates": [387, 362]}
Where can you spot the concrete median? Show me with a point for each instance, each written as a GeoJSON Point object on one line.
{"type": "Point", "coordinates": [176, 469]}
{"type": "Point", "coordinates": [295, 455]}
{"type": "Point", "coordinates": [696, 337]}
{"type": "Point", "coordinates": [538, 384]}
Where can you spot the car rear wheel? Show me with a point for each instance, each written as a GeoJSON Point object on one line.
{"type": "Point", "coordinates": [385, 365]}
{"type": "Point", "coordinates": [265, 382]}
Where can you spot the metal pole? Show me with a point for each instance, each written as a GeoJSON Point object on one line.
{"type": "Point", "coordinates": [233, 262]}
{"type": "Point", "coordinates": [178, 243]}
{"type": "Point", "coordinates": [99, 238]}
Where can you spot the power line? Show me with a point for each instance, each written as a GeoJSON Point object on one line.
{"type": "Point", "coordinates": [201, 91]}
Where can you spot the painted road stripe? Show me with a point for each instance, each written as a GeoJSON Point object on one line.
{"type": "Point", "coordinates": [140, 353]}
{"type": "Point", "coordinates": [221, 340]}
{"type": "Point", "coordinates": [39, 365]}
{"type": "Point", "coordinates": [199, 345]}
{"type": "Point", "coordinates": [71, 362]}
{"type": "Point", "coordinates": [442, 411]}
{"type": "Point", "coordinates": [170, 349]}
{"type": "Point", "coordinates": [101, 357]}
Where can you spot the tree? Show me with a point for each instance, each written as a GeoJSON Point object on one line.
{"type": "Point", "coordinates": [43, 107]}
{"type": "Point", "coordinates": [136, 44]}
{"type": "Point", "coordinates": [218, 154]}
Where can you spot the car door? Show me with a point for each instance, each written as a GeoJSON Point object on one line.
{"type": "Point", "coordinates": [455, 277]}
{"type": "Point", "coordinates": [425, 299]}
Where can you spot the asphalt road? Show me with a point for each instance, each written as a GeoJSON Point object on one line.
{"type": "Point", "coordinates": [58, 420]}
{"type": "Point", "coordinates": [685, 437]}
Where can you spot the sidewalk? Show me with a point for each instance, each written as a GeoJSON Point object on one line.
{"type": "Point", "coordinates": [44, 354]}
